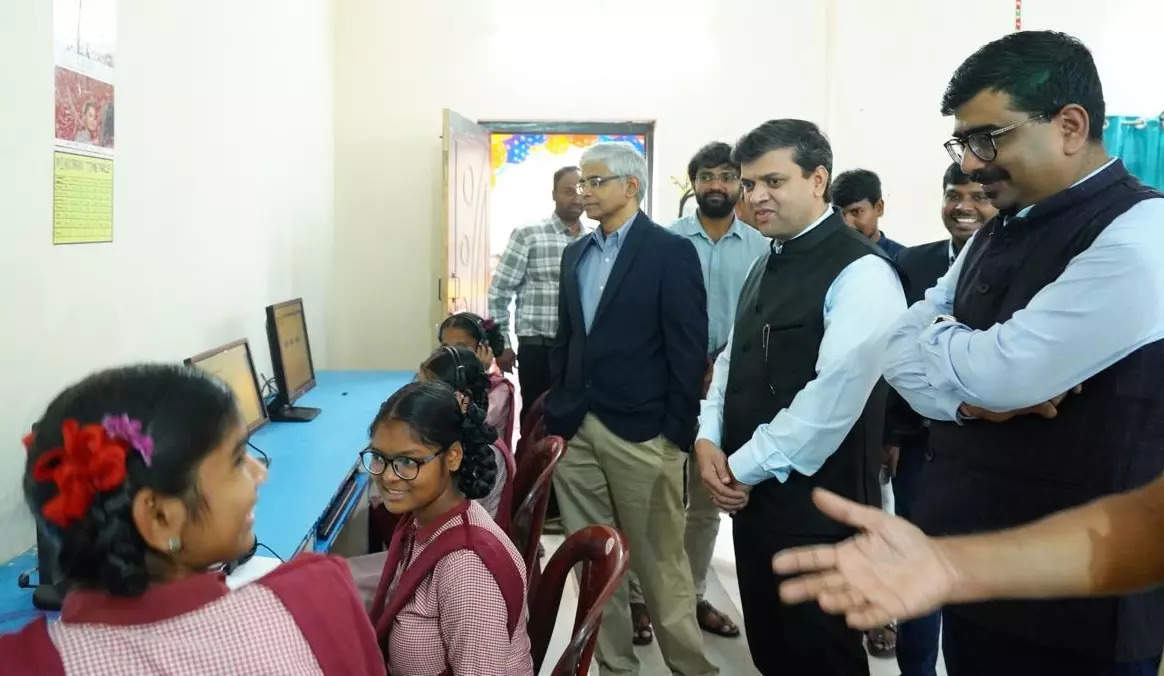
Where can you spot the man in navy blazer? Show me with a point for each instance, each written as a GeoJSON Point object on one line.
{"type": "Point", "coordinates": [626, 369]}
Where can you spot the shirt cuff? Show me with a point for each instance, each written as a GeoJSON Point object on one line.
{"type": "Point", "coordinates": [934, 342]}
{"type": "Point", "coordinates": [747, 469]}
{"type": "Point", "coordinates": [710, 430]}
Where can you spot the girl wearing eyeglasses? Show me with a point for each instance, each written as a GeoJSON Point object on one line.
{"type": "Point", "coordinates": [452, 596]}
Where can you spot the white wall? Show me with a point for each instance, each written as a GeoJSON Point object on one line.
{"type": "Point", "coordinates": [871, 73]}
{"type": "Point", "coordinates": [688, 65]}
{"type": "Point", "coordinates": [892, 61]}
{"type": "Point", "coordinates": [223, 200]}
{"type": "Point", "coordinates": [1124, 38]}
{"type": "Point", "coordinates": [890, 67]}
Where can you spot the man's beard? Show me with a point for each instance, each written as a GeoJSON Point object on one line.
{"type": "Point", "coordinates": [716, 203]}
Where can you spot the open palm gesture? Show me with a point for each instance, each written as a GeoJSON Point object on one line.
{"type": "Point", "coordinates": [889, 571]}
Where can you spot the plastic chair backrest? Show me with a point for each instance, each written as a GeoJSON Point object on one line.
{"type": "Point", "coordinates": [531, 494]}
{"type": "Point", "coordinates": [604, 556]}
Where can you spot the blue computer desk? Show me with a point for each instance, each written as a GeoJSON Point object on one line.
{"type": "Point", "coordinates": [309, 463]}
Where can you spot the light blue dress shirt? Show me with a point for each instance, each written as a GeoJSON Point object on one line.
{"type": "Point", "coordinates": [725, 268]}
{"type": "Point", "coordinates": [1107, 303]}
{"type": "Point", "coordinates": [595, 264]}
{"type": "Point", "coordinates": [859, 308]}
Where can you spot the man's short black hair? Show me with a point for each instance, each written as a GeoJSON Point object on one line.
{"type": "Point", "coordinates": [954, 176]}
{"type": "Point", "coordinates": [810, 146]}
{"type": "Point", "coordinates": [1042, 71]}
{"type": "Point", "coordinates": [562, 172]}
{"type": "Point", "coordinates": [714, 154]}
{"type": "Point", "coordinates": [856, 185]}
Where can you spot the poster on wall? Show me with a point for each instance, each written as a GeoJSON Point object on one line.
{"type": "Point", "coordinates": [84, 36]}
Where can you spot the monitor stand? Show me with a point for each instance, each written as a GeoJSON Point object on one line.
{"type": "Point", "coordinates": [48, 596]}
{"type": "Point", "coordinates": [294, 414]}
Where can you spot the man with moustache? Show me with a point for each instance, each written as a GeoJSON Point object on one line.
{"type": "Point", "coordinates": [528, 271]}
{"type": "Point", "coordinates": [1062, 289]}
{"type": "Point", "coordinates": [965, 208]}
{"type": "Point", "coordinates": [727, 247]}
{"type": "Point", "coordinates": [795, 400]}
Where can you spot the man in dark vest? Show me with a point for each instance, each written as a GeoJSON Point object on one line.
{"type": "Point", "coordinates": [965, 209]}
{"type": "Point", "coordinates": [1040, 351]}
{"type": "Point", "coordinates": [792, 402]}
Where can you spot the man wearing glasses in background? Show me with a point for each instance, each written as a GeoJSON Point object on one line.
{"type": "Point", "coordinates": [626, 366]}
{"type": "Point", "coordinates": [1038, 355]}
{"type": "Point", "coordinates": [727, 247]}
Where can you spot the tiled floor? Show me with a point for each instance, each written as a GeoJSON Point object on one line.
{"type": "Point", "coordinates": [723, 591]}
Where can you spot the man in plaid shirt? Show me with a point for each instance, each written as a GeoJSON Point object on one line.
{"type": "Point", "coordinates": [529, 270]}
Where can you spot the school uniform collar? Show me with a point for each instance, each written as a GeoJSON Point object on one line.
{"type": "Point", "coordinates": [160, 601]}
{"type": "Point", "coordinates": [423, 534]}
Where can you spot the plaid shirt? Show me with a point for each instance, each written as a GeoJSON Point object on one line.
{"type": "Point", "coordinates": [529, 269]}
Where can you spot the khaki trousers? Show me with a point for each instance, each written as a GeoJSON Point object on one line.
{"type": "Point", "coordinates": [637, 488]}
{"type": "Point", "coordinates": [699, 539]}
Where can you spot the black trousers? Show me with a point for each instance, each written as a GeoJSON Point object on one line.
{"type": "Point", "coordinates": [783, 639]}
{"type": "Point", "coordinates": [533, 371]}
{"type": "Point", "coordinates": [972, 649]}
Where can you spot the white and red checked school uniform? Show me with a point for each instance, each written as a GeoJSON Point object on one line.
{"type": "Point", "coordinates": [467, 613]}
{"type": "Point", "coordinates": [304, 617]}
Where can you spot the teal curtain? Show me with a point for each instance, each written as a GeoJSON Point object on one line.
{"type": "Point", "coordinates": [1140, 144]}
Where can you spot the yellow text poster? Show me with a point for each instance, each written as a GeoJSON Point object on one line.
{"type": "Point", "coordinates": [82, 199]}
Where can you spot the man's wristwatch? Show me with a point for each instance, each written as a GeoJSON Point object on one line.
{"type": "Point", "coordinates": [944, 318]}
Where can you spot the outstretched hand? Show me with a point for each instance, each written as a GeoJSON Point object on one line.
{"type": "Point", "coordinates": [889, 571]}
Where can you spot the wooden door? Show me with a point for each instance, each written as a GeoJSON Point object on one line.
{"type": "Point", "coordinates": [465, 146]}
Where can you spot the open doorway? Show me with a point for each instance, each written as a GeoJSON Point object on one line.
{"type": "Point", "coordinates": [524, 157]}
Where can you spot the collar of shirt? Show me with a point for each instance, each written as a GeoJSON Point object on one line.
{"type": "Point", "coordinates": [691, 226]}
{"type": "Point", "coordinates": [950, 255]}
{"type": "Point", "coordinates": [160, 601]}
{"type": "Point", "coordinates": [560, 226]}
{"type": "Point", "coordinates": [430, 529]}
{"type": "Point", "coordinates": [615, 238]}
{"type": "Point", "coordinates": [778, 246]}
{"type": "Point", "coordinates": [1027, 209]}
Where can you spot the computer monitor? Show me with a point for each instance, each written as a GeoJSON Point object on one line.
{"type": "Point", "coordinates": [233, 364]}
{"type": "Point", "coordinates": [291, 359]}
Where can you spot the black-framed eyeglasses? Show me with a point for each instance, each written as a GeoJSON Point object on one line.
{"type": "Point", "coordinates": [595, 182]}
{"type": "Point", "coordinates": [984, 144]}
{"type": "Point", "coordinates": [709, 177]}
{"type": "Point", "coordinates": [403, 466]}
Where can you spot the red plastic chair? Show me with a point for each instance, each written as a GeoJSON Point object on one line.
{"type": "Point", "coordinates": [605, 558]}
{"type": "Point", "coordinates": [531, 493]}
{"type": "Point", "coordinates": [533, 413]}
{"type": "Point", "coordinates": [533, 427]}
{"type": "Point", "coordinates": [505, 505]}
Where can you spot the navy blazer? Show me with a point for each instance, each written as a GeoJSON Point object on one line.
{"type": "Point", "coordinates": [641, 367]}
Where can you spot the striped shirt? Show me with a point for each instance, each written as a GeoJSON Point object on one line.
{"type": "Point", "coordinates": [529, 270]}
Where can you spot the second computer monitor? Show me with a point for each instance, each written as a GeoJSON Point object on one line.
{"type": "Point", "coordinates": [291, 359]}
{"type": "Point", "coordinates": [232, 363]}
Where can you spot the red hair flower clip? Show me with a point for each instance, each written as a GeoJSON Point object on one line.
{"type": "Point", "coordinates": [90, 460]}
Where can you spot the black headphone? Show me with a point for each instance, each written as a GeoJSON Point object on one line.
{"type": "Point", "coordinates": [459, 377]}
{"type": "Point", "coordinates": [482, 335]}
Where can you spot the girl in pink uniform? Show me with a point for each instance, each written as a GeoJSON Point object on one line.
{"type": "Point", "coordinates": [142, 476]}
{"type": "Point", "coordinates": [452, 597]}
